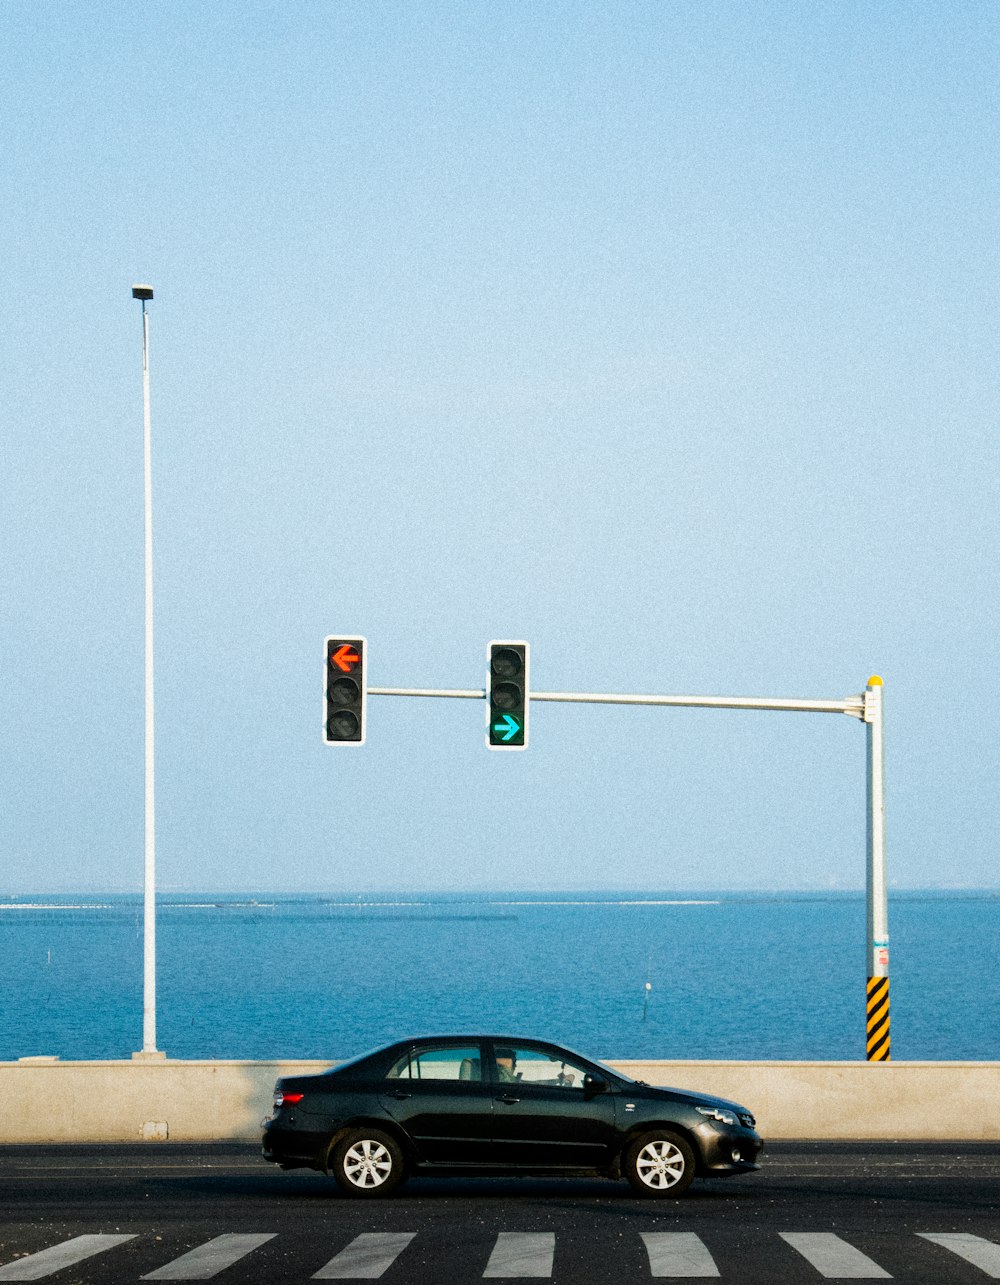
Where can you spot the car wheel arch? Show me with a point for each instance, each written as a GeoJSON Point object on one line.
{"type": "Point", "coordinates": [369, 1122]}
{"type": "Point", "coordinates": [640, 1129]}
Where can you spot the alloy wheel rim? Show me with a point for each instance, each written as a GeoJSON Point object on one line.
{"type": "Point", "coordinates": [660, 1165]}
{"type": "Point", "coordinates": [367, 1164]}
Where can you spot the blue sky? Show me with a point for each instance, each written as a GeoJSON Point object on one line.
{"type": "Point", "coordinates": [661, 335]}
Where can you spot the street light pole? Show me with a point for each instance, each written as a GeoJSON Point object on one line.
{"type": "Point", "coordinates": [144, 293]}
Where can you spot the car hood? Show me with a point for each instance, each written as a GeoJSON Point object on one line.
{"type": "Point", "coordinates": [662, 1093]}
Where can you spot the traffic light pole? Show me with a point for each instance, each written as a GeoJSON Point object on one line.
{"type": "Point", "coordinates": [853, 705]}
{"type": "Point", "coordinates": [866, 707]}
{"type": "Point", "coordinates": [877, 963]}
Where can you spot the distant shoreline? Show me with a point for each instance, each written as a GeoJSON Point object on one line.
{"type": "Point", "coordinates": [456, 900]}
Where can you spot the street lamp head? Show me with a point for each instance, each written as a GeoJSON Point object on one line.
{"type": "Point", "coordinates": [142, 292]}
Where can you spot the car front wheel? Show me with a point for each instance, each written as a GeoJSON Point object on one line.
{"type": "Point", "coordinates": [367, 1163]}
{"type": "Point", "coordinates": [659, 1165]}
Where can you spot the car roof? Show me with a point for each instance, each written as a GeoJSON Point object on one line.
{"type": "Point", "coordinates": [493, 1037]}
{"type": "Point", "coordinates": [373, 1058]}
{"type": "Point", "coordinates": [456, 1037]}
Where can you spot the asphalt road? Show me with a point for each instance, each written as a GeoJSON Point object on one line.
{"type": "Point", "coordinates": [815, 1211]}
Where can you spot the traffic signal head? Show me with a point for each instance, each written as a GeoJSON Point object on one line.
{"type": "Point", "coordinates": [507, 696]}
{"type": "Point", "coordinates": [346, 692]}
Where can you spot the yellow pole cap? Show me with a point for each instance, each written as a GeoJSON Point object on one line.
{"type": "Point", "coordinates": [874, 681]}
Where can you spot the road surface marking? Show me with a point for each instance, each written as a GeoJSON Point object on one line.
{"type": "Point", "coordinates": [47, 1261]}
{"type": "Point", "coordinates": [976, 1250]}
{"type": "Point", "coordinates": [678, 1253]}
{"type": "Point", "coordinates": [833, 1257]}
{"type": "Point", "coordinates": [522, 1253]}
{"type": "Point", "coordinates": [366, 1257]}
{"type": "Point", "coordinates": [208, 1260]}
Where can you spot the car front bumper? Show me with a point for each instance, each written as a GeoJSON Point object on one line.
{"type": "Point", "coordinates": [728, 1151]}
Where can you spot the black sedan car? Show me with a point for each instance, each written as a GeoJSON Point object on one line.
{"type": "Point", "coordinates": [489, 1105]}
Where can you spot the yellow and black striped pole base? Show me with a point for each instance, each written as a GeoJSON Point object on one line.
{"type": "Point", "coordinates": [878, 1019]}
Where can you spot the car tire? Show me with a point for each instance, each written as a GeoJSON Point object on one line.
{"type": "Point", "coordinates": [367, 1163]}
{"type": "Point", "coordinates": [660, 1165]}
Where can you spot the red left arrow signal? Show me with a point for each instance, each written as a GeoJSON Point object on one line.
{"type": "Point", "coordinates": [346, 692]}
{"type": "Point", "coordinates": [345, 658]}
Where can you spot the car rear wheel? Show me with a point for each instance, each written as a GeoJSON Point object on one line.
{"type": "Point", "coordinates": [367, 1163]}
{"type": "Point", "coordinates": [660, 1165]}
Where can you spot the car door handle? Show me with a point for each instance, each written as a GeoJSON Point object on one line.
{"type": "Point", "coordinates": [401, 1095]}
{"type": "Point", "coordinates": [507, 1098]}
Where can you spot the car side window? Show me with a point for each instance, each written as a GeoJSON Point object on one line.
{"type": "Point", "coordinates": [458, 1062]}
{"type": "Point", "coordinates": [523, 1064]}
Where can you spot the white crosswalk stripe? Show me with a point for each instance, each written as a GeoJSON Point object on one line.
{"type": "Point", "coordinates": [522, 1253]}
{"type": "Point", "coordinates": [47, 1261]}
{"type": "Point", "coordinates": [208, 1260]}
{"type": "Point", "coordinates": [976, 1250]}
{"type": "Point", "coordinates": [678, 1253]}
{"type": "Point", "coordinates": [833, 1257]}
{"type": "Point", "coordinates": [366, 1257]}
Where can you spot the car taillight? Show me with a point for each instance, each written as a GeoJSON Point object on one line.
{"type": "Point", "coordinates": [287, 1099]}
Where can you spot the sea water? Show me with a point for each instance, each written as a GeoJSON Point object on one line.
{"type": "Point", "coordinates": [729, 976]}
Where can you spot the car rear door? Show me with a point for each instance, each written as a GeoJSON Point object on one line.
{"type": "Point", "coordinates": [544, 1117]}
{"type": "Point", "coordinates": [437, 1093]}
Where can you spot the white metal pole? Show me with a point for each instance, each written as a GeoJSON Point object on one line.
{"type": "Point", "coordinates": [867, 707]}
{"type": "Point", "coordinates": [149, 886]}
{"type": "Point", "coordinates": [877, 945]}
{"type": "Point", "coordinates": [852, 705]}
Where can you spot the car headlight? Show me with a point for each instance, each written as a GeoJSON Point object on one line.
{"type": "Point", "coordinates": [718, 1113]}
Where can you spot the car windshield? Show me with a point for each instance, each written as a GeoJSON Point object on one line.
{"type": "Point", "coordinates": [603, 1065]}
{"type": "Point", "coordinates": [592, 1061]}
{"type": "Point", "coordinates": [618, 1075]}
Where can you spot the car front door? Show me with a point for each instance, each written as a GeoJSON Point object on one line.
{"type": "Point", "coordinates": [437, 1092]}
{"type": "Point", "coordinates": [544, 1114]}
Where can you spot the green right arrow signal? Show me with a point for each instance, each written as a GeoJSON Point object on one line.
{"type": "Point", "coordinates": [507, 695]}
{"type": "Point", "coordinates": [507, 728]}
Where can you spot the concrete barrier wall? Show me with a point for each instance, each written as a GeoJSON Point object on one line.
{"type": "Point", "coordinates": [906, 1101]}
{"type": "Point", "coordinates": [45, 1100]}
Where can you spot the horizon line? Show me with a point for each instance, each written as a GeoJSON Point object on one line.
{"type": "Point", "coordinates": [494, 893]}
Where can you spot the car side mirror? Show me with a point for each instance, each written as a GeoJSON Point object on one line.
{"type": "Point", "coordinates": [592, 1085]}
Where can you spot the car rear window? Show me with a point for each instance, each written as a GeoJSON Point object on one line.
{"type": "Point", "coordinates": [458, 1062]}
